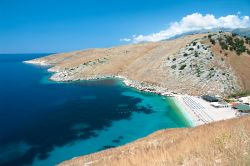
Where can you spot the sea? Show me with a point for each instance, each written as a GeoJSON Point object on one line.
{"type": "Point", "coordinates": [44, 122]}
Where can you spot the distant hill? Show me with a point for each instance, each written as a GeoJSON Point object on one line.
{"type": "Point", "coordinates": [239, 31]}
{"type": "Point", "coordinates": [242, 32]}
{"type": "Point", "coordinates": [201, 32]}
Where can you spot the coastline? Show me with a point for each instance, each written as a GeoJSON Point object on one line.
{"type": "Point", "coordinates": [192, 117]}
{"type": "Point", "coordinates": [34, 62]}
{"type": "Point", "coordinates": [140, 86]}
{"type": "Point", "coordinates": [181, 111]}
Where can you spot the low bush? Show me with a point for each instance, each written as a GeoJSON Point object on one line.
{"type": "Point", "coordinates": [212, 41]}
{"type": "Point", "coordinates": [182, 67]}
{"type": "Point", "coordinates": [240, 94]}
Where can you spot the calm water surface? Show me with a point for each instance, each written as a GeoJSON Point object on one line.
{"type": "Point", "coordinates": [45, 123]}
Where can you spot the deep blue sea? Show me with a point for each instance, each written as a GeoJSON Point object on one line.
{"type": "Point", "coordinates": [44, 122]}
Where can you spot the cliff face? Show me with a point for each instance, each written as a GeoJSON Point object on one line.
{"type": "Point", "coordinates": [221, 143]}
{"type": "Point", "coordinates": [191, 65]}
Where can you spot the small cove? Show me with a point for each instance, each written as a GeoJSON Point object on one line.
{"type": "Point", "coordinates": [49, 122]}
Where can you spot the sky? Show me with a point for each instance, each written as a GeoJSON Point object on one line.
{"type": "Point", "coordinates": [50, 26]}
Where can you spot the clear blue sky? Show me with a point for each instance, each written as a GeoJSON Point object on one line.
{"type": "Point", "coordinates": [33, 26]}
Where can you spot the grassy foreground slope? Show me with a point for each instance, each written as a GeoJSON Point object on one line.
{"type": "Point", "coordinates": [221, 143]}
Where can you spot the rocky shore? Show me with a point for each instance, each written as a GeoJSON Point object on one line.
{"type": "Point", "coordinates": [189, 65]}
{"type": "Point", "coordinates": [62, 77]}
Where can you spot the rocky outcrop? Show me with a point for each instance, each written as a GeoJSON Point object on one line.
{"type": "Point", "coordinates": [198, 63]}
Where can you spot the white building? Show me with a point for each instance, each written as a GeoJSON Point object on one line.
{"type": "Point", "coordinates": [219, 105]}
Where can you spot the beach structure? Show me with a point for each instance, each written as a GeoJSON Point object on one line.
{"type": "Point", "coordinates": [245, 100]}
{"type": "Point", "coordinates": [210, 98]}
{"type": "Point", "coordinates": [219, 104]}
{"type": "Point", "coordinates": [244, 108]}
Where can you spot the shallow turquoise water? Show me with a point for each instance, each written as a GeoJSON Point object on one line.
{"type": "Point", "coordinates": [44, 122]}
{"type": "Point", "coordinates": [137, 126]}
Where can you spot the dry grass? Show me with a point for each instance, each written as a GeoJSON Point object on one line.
{"type": "Point", "coordinates": [221, 143]}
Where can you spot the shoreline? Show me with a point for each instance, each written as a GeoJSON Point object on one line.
{"type": "Point", "coordinates": [192, 117]}
{"type": "Point", "coordinates": [182, 112]}
{"type": "Point", "coordinates": [180, 108]}
{"type": "Point", "coordinates": [40, 63]}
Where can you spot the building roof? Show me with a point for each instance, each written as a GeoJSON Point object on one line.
{"type": "Point", "coordinates": [219, 104]}
{"type": "Point", "coordinates": [245, 99]}
{"type": "Point", "coordinates": [209, 98]}
{"type": "Point", "coordinates": [242, 107]}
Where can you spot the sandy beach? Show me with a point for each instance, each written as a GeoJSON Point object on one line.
{"type": "Point", "coordinates": [202, 112]}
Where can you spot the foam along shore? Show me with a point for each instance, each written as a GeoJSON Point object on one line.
{"type": "Point", "coordinates": [195, 110]}
{"type": "Point", "coordinates": [36, 62]}
{"type": "Point", "coordinates": [181, 111]}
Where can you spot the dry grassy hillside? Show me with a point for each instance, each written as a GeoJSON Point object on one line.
{"type": "Point", "coordinates": [190, 65]}
{"type": "Point", "coordinates": [239, 63]}
{"type": "Point", "coordinates": [221, 143]}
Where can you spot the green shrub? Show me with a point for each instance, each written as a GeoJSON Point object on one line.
{"type": "Point", "coordinates": [212, 41]}
{"type": "Point", "coordinates": [235, 44]}
{"type": "Point", "coordinates": [223, 45]}
{"type": "Point", "coordinates": [229, 40]}
{"type": "Point", "coordinates": [240, 94]}
{"type": "Point", "coordinates": [182, 67]}
{"type": "Point", "coordinates": [173, 66]}
{"type": "Point", "coordinates": [198, 71]}
{"type": "Point", "coordinates": [239, 46]}
{"type": "Point", "coordinates": [196, 54]}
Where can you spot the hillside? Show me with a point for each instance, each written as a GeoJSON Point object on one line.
{"type": "Point", "coordinates": [221, 143]}
{"type": "Point", "coordinates": [191, 64]}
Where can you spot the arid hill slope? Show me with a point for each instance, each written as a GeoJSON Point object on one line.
{"type": "Point", "coordinates": [221, 143]}
{"type": "Point", "coordinates": [190, 65]}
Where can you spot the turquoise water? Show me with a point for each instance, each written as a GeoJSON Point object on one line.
{"type": "Point", "coordinates": [44, 122]}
